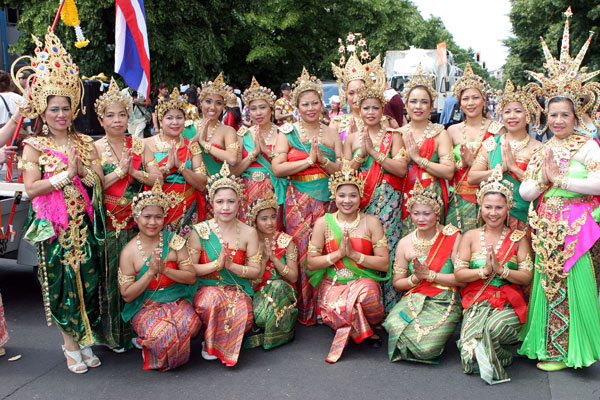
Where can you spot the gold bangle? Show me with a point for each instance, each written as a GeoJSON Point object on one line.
{"type": "Point", "coordinates": [252, 157]}
{"type": "Point", "coordinates": [207, 147]}
{"type": "Point", "coordinates": [13, 119]}
{"type": "Point", "coordinates": [410, 281]}
{"type": "Point", "coordinates": [244, 271]}
{"type": "Point", "coordinates": [215, 263]}
{"type": "Point", "coordinates": [380, 158]}
{"type": "Point", "coordinates": [431, 276]}
{"type": "Point", "coordinates": [89, 179]}
{"type": "Point", "coordinates": [119, 172]}
{"type": "Point", "coordinates": [424, 163]}
{"type": "Point", "coordinates": [326, 162]}
{"type": "Point", "coordinates": [358, 160]}
{"type": "Point", "coordinates": [481, 273]}
{"type": "Point", "coordinates": [310, 161]}
{"type": "Point", "coordinates": [505, 273]}
{"type": "Point", "coordinates": [328, 258]}
{"type": "Point", "coordinates": [285, 271]}
{"type": "Point", "coordinates": [361, 259]}
{"type": "Point", "coordinates": [181, 167]}
{"type": "Point", "coordinates": [145, 175]}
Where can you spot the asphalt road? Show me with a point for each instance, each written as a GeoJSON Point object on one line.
{"type": "Point", "coordinates": [294, 371]}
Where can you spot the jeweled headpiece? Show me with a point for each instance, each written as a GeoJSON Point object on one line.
{"type": "Point", "coordinates": [218, 87]}
{"type": "Point", "coordinates": [470, 80]}
{"type": "Point", "coordinates": [262, 203]}
{"type": "Point", "coordinates": [511, 94]}
{"type": "Point", "coordinates": [374, 86]}
{"type": "Point", "coordinates": [154, 197]}
{"type": "Point", "coordinates": [257, 92]}
{"type": "Point", "coordinates": [419, 195]}
{"type": "Point", "coordinates": [566, 78]}
{"type": "Point", "coordinates": [54, 74]}
{"type": "Point", "coordinates": [112, 96]}
{"type": "Point", "coordinates": [306, 83]}
{"type": "Point", "coordinates": [224, 179]}
{"type": "Point", "coordinates": [496, 184]}
{"type": "Point", "coordinates": [420, 78]}
{"type": "Point", "coordinates": [175, 101]}
{"type": "Point", "coordinates": [346, 176]}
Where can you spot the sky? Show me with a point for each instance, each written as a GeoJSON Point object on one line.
{"type": "Point", "coordinates": [479, 24]}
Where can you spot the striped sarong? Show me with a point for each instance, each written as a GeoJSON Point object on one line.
{"type": "Point", "coordinates": [486, 340]}
{"type": "Point", "coordinates": [350, 309]}
{"type": "Point", "coordinates": [224, 327]}
{"type": "Point", "coordinates": [164, 331]}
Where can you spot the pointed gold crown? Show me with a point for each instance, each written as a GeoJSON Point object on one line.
{"type": "Point", "coordinates": [419, 195]}
{"type": "Point", "coordinates": [306, 83]}
{"type": "Point", "coordinates": [218, 87]}
{"type": "Point", "coordinates": [263, 203]}
{"type": "Point", "coordinates": [511, 94]}
{"type": "Point", "coordinates": [566, 78]}
{"type": "Point", "coordinates": [54, 74]}
{"type": "Point", "coordinates": [154, 197]}
{"type": "Point", "coordinates": [420, 78]}
{"type": "Point", "coordinates": [112, 96]}
{"type": "Point", "coordinates": [224, 179]}
{"type": "Point", "coordinates": [470, 80]}
{"type": "Point", "coordinates": [350, 67]}
{"type": "Point", "coordinates": [374, 86]}
{"type": "Point", "coordinates": [496, 184]}
{"type": "Point", "coordinates": [346, 176]}
{"type": "Point", "coordinates": [176, 101]}
{"type": "Point", "coordinates": [257, 92]}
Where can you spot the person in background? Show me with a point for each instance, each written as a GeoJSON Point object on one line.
{"type": "Point", "coordinates": [448, 115]}
{"type": "Point", "coordinates": [284, 109]}
{"type": "Point", "coordinates": [162, 93]}
{"type": "Point", "coordinates": [137, 115]}
{"type": "Point", "coordinates": [394, 108]}
{"type": "Point", "coordinates": [334, 101]}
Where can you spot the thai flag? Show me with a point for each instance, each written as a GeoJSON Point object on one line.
{"type": "Point", "coordinates": [132, 54]}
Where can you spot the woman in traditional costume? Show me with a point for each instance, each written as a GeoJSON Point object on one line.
{"type": "Point", "coordinates": [63, 177]}
{"type": "Point", "coordinates": [512, 151]}
{"type": "Point", "coordinates": [306, 153]}
{"type": "Point", "coordinates": [380, 157]}
{"type": "Point", "coordinates": [157, 282]}
{"type": "Point", "coordinates": [428, 146]}
{"type": "Point", "coordinates": [180, 162]}
{"type": "Point", "coordinates": [348, 250]}
{"type": "Point", "coordinates": [125, 164]}
{"type": "Point", "coordinates": [493, 261]}
{"type": "Point", "coordinates": [422, 322]}
{"type": "Point", "coordinates": [226, 256]}
{"type": "Point", "coordinates": [563, 321]}
{"type": "Point", "coordinates": [275, 301]}
{"type": "Point", "coordinates": [3, 329]}
{"type": "Point", "coordinates": [257, 143]}
{"type": "Point", "coordinates": [467, 138]}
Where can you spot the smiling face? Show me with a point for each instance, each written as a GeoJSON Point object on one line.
{"type": "Point", "coordinates": [58, 114]}
{"type": "Point", "coordinates": [423, 217]}
{"type": "Point", "coordinates": [347, 199]}
{"type": "Point", "coordinates": [151, 220]}
{"type": "Point", "coordinates": [514, 117]}
{"type": "Point", "coordinates": [418, 105]}
{"type": "Point", "coordinates": [472, 102]}
{"type": "Point", "coordinates": [371, 111]}
{"type": "Point", "coordinates": [561, 118]}
{"type": "Point", "coordinates": [260, 112]}
{"type": "Point", "coordinates": [266, 221]}
{"type": "Point", "coordinates": [309, 106]}
{"type": "Point", "coordinates": [212, 106]}
{"type": "Point", "coordinates": [225, 205]}
{"type": "Point", "coordinates": [494, 210]}
{"type": "Point", "coordinates": [115, 119]}
{"type": "Point", "coordinates": [353, 88]}
{"type": "Point", "coordinates": [173, 123]}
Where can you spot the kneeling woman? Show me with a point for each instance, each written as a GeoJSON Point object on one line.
{"type": "Point", "coordinates": [347, 250]}
{"type": "Point", "coordinates": [275, 301]}
{"type": "Point", "coordinates": [226, 255]}
{"type": "Point", "coordinates": [156, 277]}
{"type": "Point", "coordinates": [494, 261]}
{"type": "Point", "coordinates": [422, 322]}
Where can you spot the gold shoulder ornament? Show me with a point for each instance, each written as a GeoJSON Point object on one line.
{"type": "Point", "coordinates": [177, 242]}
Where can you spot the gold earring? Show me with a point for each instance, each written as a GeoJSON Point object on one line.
{"type": "Point", "coordinates": [45, 130]}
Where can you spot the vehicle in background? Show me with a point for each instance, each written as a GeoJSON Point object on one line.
{"type": "Point", "coordinates": [14, 250]}
{"type": "Point", "coordinates": [330, 88]}
{"type": "Point", "coordinates": [400, 65]}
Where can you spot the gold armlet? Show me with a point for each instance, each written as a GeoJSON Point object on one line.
{"type": "Point", "coordinates": [401, 155]}
{"type": "Point", "coordinates": [314, 249]}
{"type": "Point", "coordinates": [123, 279]}
{"type": "Point", "coordinates": [96, 161]}
{"type": "Point", "coordinates": [153, 162]}
{"type": "Point", "coordinates": [461, 264]}
{"type": "Point", "coordinates": [285, 271]}
{"type": "Point", "coordinates": [234, 145]}
{"type": "Point", "coordinates": [526, 265]}
{"type": "Point", "coordinates": [255, 259]}
{"type": "Point", "coordinates": [24, 165]}
{"type": "Point", "coordinates": [399, 271]}
{"type": "Point", "coordinates": [358, 160]}
{"type": "Point", "coordinates": [449, 157]}
{"type": "Point", "coordinates": [383, 242]}
{"type": "Point", "coordinates": [186, 262]}
{"type": "Point", "coordinates": [293, 256]}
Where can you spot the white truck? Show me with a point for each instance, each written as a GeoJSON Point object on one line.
{"type": "Point", "coordinates": [400, 65]}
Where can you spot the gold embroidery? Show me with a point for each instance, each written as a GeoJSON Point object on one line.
{"type": "Point", "coordinates": [177, 242]}
{"type": "Point", "coordinates": [242, 131]}
{"type": "Point", "coordinates": [449, 230]}
{"type": "Point", "coordinates": [489, 144]}
{"type": "Point", "coordinates": [255, 259]}
{"type": "Point", "coordinates": [137, 145]}
{"type": "Point", "coordinates": [517, 235]}
{"type": "Point", "coordinates": [495, 127]}
{"type": "Point", "coordinates": [283, 240]}
{"type": "Point", "coordinates": [203, 230]}
{"type": "Point", "coordinates": [293, 254]}
{"type": "Point", "coordinates": [526, 265]}
{"type": "Point", "coordinates": [286, 128]}
{"type": "Point", "coordinates": [195, 149]}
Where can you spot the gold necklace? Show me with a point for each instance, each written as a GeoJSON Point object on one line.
{"type": "Point", "coordinates": [267, 139]}
{"type": "Point", "coordinates": [377, 140]}
{"type": "Point", "coordinates": [65, 148]}
{"type": "Point", "coordinates": [109, 152]}
{"type": "Point", "coordinates": [303, 132]}
{"type": "Point", "coordinates": [237, 236]}
{"type": "Point", "coordinates": [351, 227]}
{"type": "Point", "coordinates": [163, 146]}
{"type": "Point", "coordinates": [212, 132]}
{"type": "Point", "coordinates": [138, 242]}
{"type": "Point", "coordinates": [426, 132]}
{"type": "Point", "coordinates": [517, 145]}
{"type": "Point", "coordinates": [423, 245]}
{"type": "Point", "coordinates": [481, 132]}
{"type": "Point", "coordinates": [498, 245]}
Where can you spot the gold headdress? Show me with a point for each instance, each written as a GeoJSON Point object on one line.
{"type": "Point", "coordinates": [257, 92]}
{"type": "Point", "coordinates": [352, 69]}
{"type": "Point", "coordinates": [154, 197]}
{"type": "Point", "coordinates": [495, 184]}
{"type": "Point", "coordinates": [55, 75]}
{"type": "Point", "coordinates": [374, 86]}
{"type": "Point", "coordinates": [419, 195]}
{"type": "Point", "coordinates": [224, 179]}
{"type": "Point", "coordinates": [510, 94]}
{"type": "Point", "coordinates": [218, 87]}
{"type": "Point", "coordinates": [176, 101]}
{"type": "Point", "coordinates": [421, 78]}
{"type": "Point", "coordinates": [470, 80]}
{"type": "Point", "coordinates": [112, 96]}
{"type": "Point", "coordinates": [347, 176]}
{"type": "Point", "coordinates": [306, 83]}
{"type": "Point", "coordinates": [263, 203]}
{"type": "Point", "coordinates": [566, 78]}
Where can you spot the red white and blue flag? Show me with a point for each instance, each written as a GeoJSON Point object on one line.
{"type": "Point", "coordinates": [132, 54]}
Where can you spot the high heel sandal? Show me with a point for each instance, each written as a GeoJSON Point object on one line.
{"type": "Point", "coordinates": [91, 360]}
{"type": "Point", "coordinates": [75, 356]}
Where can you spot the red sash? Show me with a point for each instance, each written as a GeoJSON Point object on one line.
{"type": "Point", "coordinates": [416, 172]}
{"type": "Point", "coordinates": [182, 154]}
{"type": "Point", "coordinates": [498, 296]}
{"type": "Point", "coordinates": [439, 254]}
{"type": "Point", "coordinates": [297, 155]}
{"type": "Point", "coordinates": [466, 191]}
{"type": "Point", "coordinates": [161, 281]}
{"type": "Point", "coordinates": [268, 274]}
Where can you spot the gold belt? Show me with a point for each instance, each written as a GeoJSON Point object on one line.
{"type": "Point", "coordinates": [307, 178]}
{"type": "Point", "coordinates": [114, 200]}
{"type": "Point", "coordinates": [443, 287]}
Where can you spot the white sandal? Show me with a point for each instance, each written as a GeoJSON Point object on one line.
{"type": "Point", "coordinates": [205, 355]}
{"type": "Point", "coordinates": [90, 359]}
{"type": "Point", "coordinates": [75, 356]}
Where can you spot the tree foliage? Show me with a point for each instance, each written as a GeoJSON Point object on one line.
{"type": "Point", "coordinates": [532, 18]}
{"type": "Point", "coordinates": [191, 42]}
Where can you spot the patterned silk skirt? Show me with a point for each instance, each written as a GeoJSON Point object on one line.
{"type": "Point", "coordinates": [3, 329]}
{"type": "Point", "coordinates": [350, 309]}
{"type": "Point", "coordinates": [164, 331]}
{"type": "Point", "coordinates": [226, 313]}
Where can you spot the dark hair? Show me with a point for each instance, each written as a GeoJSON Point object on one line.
{"type": "Point", "coordinates": [561, 99]}
{"type": "Point", "coordinates": [161, 85]}
{"type": "Point", "coordinates": [307, 91]}
{"type": "Point", "coordinates": [4, 81]}
{"type": "Point", "coordinates": [420, 87]}
{"type": "Point", "coordinates": [192, 95]}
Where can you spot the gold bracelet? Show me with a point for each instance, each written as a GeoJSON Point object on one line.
{"type": "Point", "coordinates": [380, 158]}
{"type": "Point", "coordinates": [361, 259]}
{"type": "Point", "coordinates": [310, 161]}
{"type": "Point", "coordinates": [244, 271]}
{"type": "Point", "coordinates": [13, 119]}
{"type": "Point", "coordinates": [252, 157]}
{"type": "Point", "coordinates": [207, 147]}
{"type": "Point", "coordinates": [481, 273]}
{"type": "Point", "coordinates": [88, 179]}
{"type": "Point", "coordinates": [119, 172]}
{"type": "Point", "coordinates": [181, 167]}
{"type": "Point", "coordinates": [285, 271]}
{"type": "Point", "coordinates": [410, 281]}
{"type": "Point", "coordinates": [505, 273]}
{"type": "Point", "coordinates": [431, 276]}
{"type": "Point", "coordinates": [358, 160]}
{"type": "Point", "coordinates": [424, 163]}
{"type": "Point", "coordinates": [541, 187]}
{"type": "Point", "coordinates": [326, 162]}
{"type": "Point", "coordinates": [215, 263]}
{"type": "Point", "coordinates": [328, 258]}
{"type": "Point", "coordinates": [59, 180]}
{"type": "Point", "coordinates": [145, 175]}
